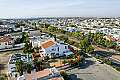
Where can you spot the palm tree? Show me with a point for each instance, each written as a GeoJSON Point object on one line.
{"type": "Point", "coordinates": [19, 66]}
{"type": "Point", "coordinates": [28, 46]}
{"type": "Point", "coordinates": [64, 75]}
{"type": "Point", "coordinates": [29, 67]}
{"type": "Point", "coordinates": [24, 37]}
{"type": "Point", "coordinates": [38, 64]}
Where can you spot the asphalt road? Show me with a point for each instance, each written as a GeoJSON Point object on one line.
{"type": "Point", "coordinates": [94, 71]}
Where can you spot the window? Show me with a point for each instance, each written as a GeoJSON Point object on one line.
{"type": "Point", "coordinates": [65, 47]}
{"type": "Point", "coordinates": [53, 49]}
{"type": "Point", "coordinates": [57, 54]}
{"type": "Point", "coordinates": [58, 48]}
{"type": "Point", "coordinates": [52, 55]}
{"type": "Point", "coordinates": [5, 43]}
{"type": "Point", "coordinates": [9, 43]}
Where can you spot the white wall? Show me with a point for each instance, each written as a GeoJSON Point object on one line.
{"type": "Point", "coordinates": [54, 49]}
{"type": "Point", "coordinates": [118, 43]}
{"type": "Point", "coordinates": [6, 45]}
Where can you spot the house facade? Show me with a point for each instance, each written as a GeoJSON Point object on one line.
{"type": "Point", "coordinates": [52, 48]}
{"type": "Point", "coordinates": [6, 42]}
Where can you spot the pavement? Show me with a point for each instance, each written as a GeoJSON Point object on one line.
{"type": "Point", "coordinates": [93, 70]}
{"type": "Point", "coordinates": [4, 59]}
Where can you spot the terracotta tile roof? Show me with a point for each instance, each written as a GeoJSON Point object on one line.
{"type": "Point", "coordinates": [5, 39]}
{"type": "Point", "coordinates": [42, 74]}
{"type": "Point", "coordinates": [39, 74]}
{"type": "Point", "coordinates": [57, 78]}
{"type": "Point", "coordinates": [48, 43]}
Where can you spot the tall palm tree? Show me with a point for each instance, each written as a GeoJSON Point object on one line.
{"type": "Point", "coordinates": [28, 46]}
{"type": "Point", "coordinates": [38, 64]}
{"type": "Point", "coordinates": [19, 66]}
{"type": "Point", "coordinates": [29, 67]}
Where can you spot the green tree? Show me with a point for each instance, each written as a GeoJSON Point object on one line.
{"type": "Point", "coordinates": [77, 35]}
{"type": "Point", "coordinates": [70, 42]}
{"type": "Point", "coordinates": [46, 25]}
{"type": "Point", "coordinates": [61, 31]}
{"type": "Point", "coordinates": [110, 44]}
{"type": "Point", "coordinates": [63, 38]}
{"type": "Point", "coordinates": [25, 37]}
{"type": "Point", "coordinates": [19, 66]}
{"type": "Point", "coordinates": [28, 46]}
{"type": "Point", "coordinates": [98, 38]}
{"type": "Point", "coordinates": [90, 49]}
{"type": "Point", "coordinates": [3, 77]}
{"type": "Point", "coordinates": [29, 67]}
{"type": "Point", "coordinates": [86, 46]}
{"type": "Point", "coordinates": [52, 28]}
{"type": "Point", "coordinates": [38, 64]}
{"type": "Point", "coordinates": [28, 49]}
{"type": "Point", "coordinates": [65, 75]}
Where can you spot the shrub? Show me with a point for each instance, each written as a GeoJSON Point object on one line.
{"type": "Point", "coordinates": [65, 75]}
{"type": "Point", "coordinates": [108, 62]}
{"type": "Point", "coordinates": [117, 68]}
{"type": "Point", "coordinates": [64, 62]}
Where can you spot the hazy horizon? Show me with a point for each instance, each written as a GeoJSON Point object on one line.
{"type": "Point", "coordinates": [61, 8]}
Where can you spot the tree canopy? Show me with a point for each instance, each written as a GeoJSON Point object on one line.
{"type": "Point", "coordinates": [86, 46]}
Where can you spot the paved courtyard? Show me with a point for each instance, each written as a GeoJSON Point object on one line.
{"type": "Point", "coordinates": [94, 71]}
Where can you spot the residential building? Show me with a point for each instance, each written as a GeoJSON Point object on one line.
{"type": "Point", "coordinates": [15, 35]}
{"type": "Point", "coordinates": [6, 42]}
{"type": "Point", "coordinates": [71, 29]}
{"type": "Point", "coordinates": [36, 38]}
{"type": "Point", "coordinates": [52, 48]}
{"type": "Point", "coordinates": [46, 74]}
{"type": "Point", "coordinates": [12, 61]}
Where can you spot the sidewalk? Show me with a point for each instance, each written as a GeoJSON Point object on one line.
{"type": "Point", "coordinates": [12, 49]}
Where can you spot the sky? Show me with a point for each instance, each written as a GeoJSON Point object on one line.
{"type": "Point", "coordinates": [59, 8]}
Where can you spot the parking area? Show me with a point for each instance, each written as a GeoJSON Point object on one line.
{"type": "Point", "coordinates": [92, 70]}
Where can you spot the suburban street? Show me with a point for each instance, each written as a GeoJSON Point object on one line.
{"type": "Point", "coordinates": [92, 70]}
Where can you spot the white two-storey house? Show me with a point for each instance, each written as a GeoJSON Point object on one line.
{"type": "Point", "coordinates": [52, 48]}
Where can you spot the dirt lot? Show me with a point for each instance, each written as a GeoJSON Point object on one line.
{"type": "Point", "coordinates": [56, 63]}
{"type": "Point", "coordinates": [4, 58]}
